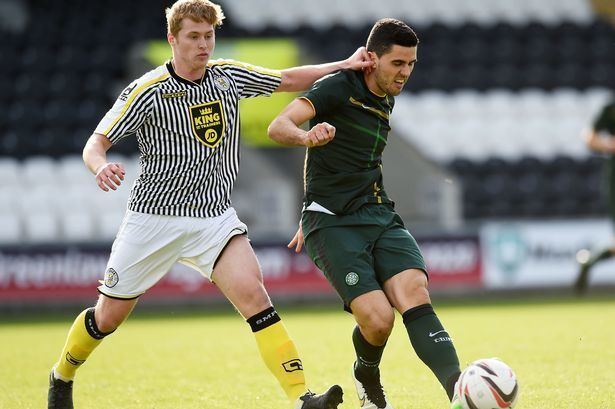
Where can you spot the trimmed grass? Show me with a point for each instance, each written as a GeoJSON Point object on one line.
{"type": "Point", "coordinates": [561, 350]}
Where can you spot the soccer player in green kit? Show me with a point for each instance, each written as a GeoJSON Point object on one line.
{"type": "Point", "coordinates": [604, 125]}
{"type": "Point", "coordinates": [349, 226]}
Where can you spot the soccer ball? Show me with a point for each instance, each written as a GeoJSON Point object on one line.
{"type": "Point", "coordinates": [487, 384]}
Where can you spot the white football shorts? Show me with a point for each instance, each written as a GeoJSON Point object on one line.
{"type": "Point", "coordinates": [147, 245]}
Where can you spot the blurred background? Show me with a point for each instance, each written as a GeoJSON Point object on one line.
{"type": "Point", "coordinates": [486, 163]}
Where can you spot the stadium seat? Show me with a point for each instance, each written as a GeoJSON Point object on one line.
{"type": "Point", "coordinates": [10, 172]}
{"type": "Point", "coordinates": [72, 170]}
{"type": "Point", "coordinates": [39, 170]}
{"type": "Point", "coordinates": [41, 227]}
{"type": "Point", "coordinates": [10, 229]}
{"type": "Point", "coordinates": [78, 226]}
{"type": "Point", "coordinates": [10, 198]}
{"type": "Point", "coordinates": [40, 198]}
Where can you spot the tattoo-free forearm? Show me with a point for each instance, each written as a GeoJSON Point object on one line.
{"type": "Point", "coordinates": [301, 78]}
{"type": "Point", "coordinates": [95, 153]}
{"type": "Point", "coordinates": [284, 131]}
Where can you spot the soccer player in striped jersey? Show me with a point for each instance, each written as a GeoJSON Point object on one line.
{"type": "Point", "coordinates": [185, 117]}
{"type": "Point", "coordinates": [350, 227]}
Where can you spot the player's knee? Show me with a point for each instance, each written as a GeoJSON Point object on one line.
{"type": "Point", "coordinates": [251, 299]}
{"type": "Point", "coordinates": [420, 294]}
{"type": "Point", "coordinates": [109, 313]}
{"type": "Point", "coordinates": [417, 288]}
{"type": "Point", "coordinates": [98, 325]}
{"type": "Point", "coordinates": [108, 323]}
{"type": "Point", "coordinates": [379, 325]}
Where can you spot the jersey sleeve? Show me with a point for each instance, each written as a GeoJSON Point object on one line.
{"type": "Point", "coordinates": [251, 80]}
{"type": "Point", "coordinates": [328, 93]}
{"type": "Point", "coordinates": [130, 110]}
{"type": "Point", "coordinates": [606, 119]}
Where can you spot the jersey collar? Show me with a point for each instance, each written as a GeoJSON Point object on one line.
{"type": "Point", "coordinates": [183, 80]}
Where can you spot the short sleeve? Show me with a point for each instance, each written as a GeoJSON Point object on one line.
{"type": "Point", "coordinates": [328, 93]}
{"type": "Point", "coordinates": [130, 110]}
{"type": "Point", "coordinates": [251, 80]}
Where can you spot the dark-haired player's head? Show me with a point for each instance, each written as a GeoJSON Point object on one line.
{"type": "Point", "coordinates": [387, 32]}
{"type": "Point", "coordinates": [392, 45]}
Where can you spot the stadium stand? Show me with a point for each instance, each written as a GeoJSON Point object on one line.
{"type": "Point", "coordinates": [499, 96]}
{"type": "Point", "coordinates": [499, 123]}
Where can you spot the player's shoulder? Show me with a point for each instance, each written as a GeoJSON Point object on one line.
{"type": "Point", "coordinates": [337, 86]}
{"type": "Point", "coordinates": [147, 81]}
{"type": "Point", "coordinates": [227, 65]}
{"type": "Point", "coordinates": [342, 79]}
{"type": "Point", "coordinates": [335, 77]}
{"type": "Point", "coordinates": [224, 62]}
{"type": "Point", "coordinates": [607, 111]}
{"type": "Point", "coordinates": [153, 77]}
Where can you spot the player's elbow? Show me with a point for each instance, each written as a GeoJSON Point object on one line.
{"type": "Point", "coordinates": [281, 131]}
{"type": "Point", "coordinates": [288, 85]}
{"type": "Point", "coordinates": [292, 82]}
{"type": "Point", "coordinates": [87, 148]}
{"type": "Point", "coordinates": [590, 137]}
{"type": "Point", "coordinates": [273, 130]}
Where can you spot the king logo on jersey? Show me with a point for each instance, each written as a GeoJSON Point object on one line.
{"type": "Point", "coordinates": [208, 123]}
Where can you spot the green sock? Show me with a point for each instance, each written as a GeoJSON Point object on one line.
{"type": "Point", "coordinates": [368, 355]}
{"type": "Point", "coordinates": [603, 255]}
{"type": "Point", "coordinates": [433, 345]}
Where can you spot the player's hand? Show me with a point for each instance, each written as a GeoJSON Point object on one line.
{"type": "Point", "coordinates": [297, 241]}
{"type": "Point", "coordinates": [320, 134]}
{"type": "Point", "coordinates": [110, 176]}
{"type": "Point", "coordinates": [359, 60]}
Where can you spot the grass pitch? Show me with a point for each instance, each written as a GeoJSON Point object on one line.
{"type": "Point", "coordinates": [562, 351]}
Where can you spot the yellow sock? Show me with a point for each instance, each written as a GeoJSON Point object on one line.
{"type": "Point", "coordinates": [279, 353]}
{"type": "Point", "coordinates": [79, 344]}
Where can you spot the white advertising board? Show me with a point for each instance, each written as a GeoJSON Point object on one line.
{"type": "Point", "coordinates": [543, 253]}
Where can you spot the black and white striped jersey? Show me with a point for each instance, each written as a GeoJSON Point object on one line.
{"type": "Point", "coordinates": [188, 135]}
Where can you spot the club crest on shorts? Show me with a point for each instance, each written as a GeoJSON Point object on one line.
{"type": "Point", "coordinates": [352, 278]}
{"type": "Point", "coordinates": [208, 123]}
{"type": "Point", "coordinates": [221, 83]}
{"type": "Point", "coordinates": [111, 278]}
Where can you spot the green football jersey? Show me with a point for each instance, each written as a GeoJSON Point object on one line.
{"type": "Point", "coordinates": [606, 119]}
{"type": "Point", "coordinates": [346, 173]}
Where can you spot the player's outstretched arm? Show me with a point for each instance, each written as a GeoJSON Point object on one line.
{"type": "Point", "coordinates": [285, 130]}
{"type": "Point", "coordinates": [109, 175]}
{"type": "Point", "coordinates": [598, 144]}
{"type": "Point", "coordinates": [301, 78]}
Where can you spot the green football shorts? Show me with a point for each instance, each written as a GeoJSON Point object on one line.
{"type": "Point", "coordinates": [359, 252]}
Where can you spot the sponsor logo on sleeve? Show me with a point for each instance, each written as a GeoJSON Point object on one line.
{"type": "Point", "coordinates": [126, 93]}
